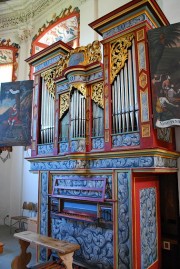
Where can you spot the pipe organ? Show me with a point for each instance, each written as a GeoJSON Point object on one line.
{"type": "Point", "coordinates": [99, 158]}
{"type": "Point", "coordinates": [78, 124]}
{"type": "Point", "coordinates": [124, 93]}
{"type": "Point", "coordinates": [47, 115]}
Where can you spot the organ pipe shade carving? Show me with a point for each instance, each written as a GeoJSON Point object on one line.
{"type": "Point", "coordinates": [97, 94]}
{"type": "Point", "coordinates": [49, 80]}
{"type": "Point", "coordinates": [81, 87]}
{"type": "Point", "coordinates": [64, 103]}
{"type": "Point", "coordinates": [125, 109]}
{"type": "Point", "coordinates": [83, 55]}
{"type": "Point", "coordinates": [119, 54]}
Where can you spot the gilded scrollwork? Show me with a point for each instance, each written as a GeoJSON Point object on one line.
{"type": "Point", "coordinates": [49, 80]}
{"type": "Point", "coordinates": [119, 54]}
{"type": "Point", "coordinates": [81, 55]}
{"type": "Point", "coordinates": [94, 52]}
{"type": "Point", "coordinates": [98, 94]}
{"type": "Point", "coordinates": [80, 87]}
{"type": "Point", "coordinates": [61, 65]}
{"type": "Point", "coordinates": [64, 103]}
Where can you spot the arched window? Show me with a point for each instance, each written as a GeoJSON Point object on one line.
{"type": "Point", "coordinates": [8, 60]}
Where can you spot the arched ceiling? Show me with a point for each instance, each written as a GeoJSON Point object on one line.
{"type": "Point", "coordinates": [15, 12]}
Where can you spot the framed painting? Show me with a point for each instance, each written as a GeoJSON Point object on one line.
{"type": "Point", "coordinates": [16, 113]}
{"type": "Point", "coordinates": [164, 51]}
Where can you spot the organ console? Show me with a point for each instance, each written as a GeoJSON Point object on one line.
{"type": "Point", "coordinates": [94, 146]}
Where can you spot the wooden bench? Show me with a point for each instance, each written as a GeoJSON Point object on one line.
{"type": "Point", "coordinates": [64, 249]}
{"type": "Point", "coordinates": [1, 247]}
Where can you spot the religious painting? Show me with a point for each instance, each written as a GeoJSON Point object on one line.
{"type": "Point", "coordinates": [164, 51]}
{"type": "Point", "coordinates": [15, 113]}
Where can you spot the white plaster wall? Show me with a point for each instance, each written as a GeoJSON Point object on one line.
{"type": "Point", "coordinates": [109, 5]}
{"type": "Point", "coordinates": [5, 167]}
{"type": "Point", "coordinates": [11, 184]}
{"type": "Point", "coordinates": [30, 181]}
{"type": "Point", "coordinates": [88, 13]}
{"type": "Point", "coordinates": [171, 10]}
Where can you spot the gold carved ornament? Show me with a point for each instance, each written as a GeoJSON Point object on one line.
{"type": "Point", "coordinates": [49, 80]}
{"type": "Point", "coordinates": [119, 54]}
{"type": "Point", "coordinates": [91, 53]}
{"type": "Point", "coordinates": [94, 52]}
{"type": "Point", "coordinates": [64, 103]}
{"type": "Point", "coordinates": [61, 65]}
{"type": "Point", "coordinates": [97, 94]}
{"type": "Point", "coordinates": [80, 87]}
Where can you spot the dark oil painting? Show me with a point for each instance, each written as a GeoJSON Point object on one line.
{"type": "Point", "coordinates": [15, 113]}
{"type": "Point", "coordinates": [164, 52]}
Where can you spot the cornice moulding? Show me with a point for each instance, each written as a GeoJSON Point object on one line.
{"type": "Point", "coordinates": [34, 9]}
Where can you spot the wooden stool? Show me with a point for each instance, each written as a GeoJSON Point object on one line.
{"type": "Point", "coordinates": [1, 247]}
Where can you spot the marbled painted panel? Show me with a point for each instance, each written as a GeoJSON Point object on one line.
{"type": "Point", "coordinates": [78, 145]}
{"type": "Point", "coordinates": [98, 143]}
{"type": "Point", "coordinates": [111, 163]}
{"type": "Point", "coordinates": [124, 217]}
{"type": "Point", "coordinates": [63, 147]}
{"type": "Point", "coordinates": [43, 222]}
{"type": "Point", "coordinates": [126, 140]}
{"type": "Point", "coordinates": [148, 228]}
{"type": "Point", "coordinates": [62, 87]}
{"type": "Point", "coordinates": [47, 63]}
{"type": "Point", "coordinates": [72, 180]}
{"type": "Point", "coordinates": [45, 149]}
{"type": "Point", "coordinates": [96, 243]}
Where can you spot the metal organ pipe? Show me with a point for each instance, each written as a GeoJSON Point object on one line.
{"type": "Point", "coordinates": [135, 85]}
{"type": "Point", "coordinates": [77, 115]}
{"type": "Point", "coordinates": [47, 115]}
{"type": "Point", "coordinates": [122, 101]}
{"type": "Point", "coordinates": [98, 125]}
{"type": "Point", "coordinates": [131, 93]}
{"type": "Point", "coordinates": [124, 97]}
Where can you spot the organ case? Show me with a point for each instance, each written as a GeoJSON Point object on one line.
{"type": "Point", "coordinates": [93, 139]}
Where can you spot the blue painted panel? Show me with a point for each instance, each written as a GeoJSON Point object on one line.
{"type": "Point", "coordinates": [96, 243]}
{"type": "Point", "coordinates": [126, 140]}
{"type": "Point", "coordinates": [124, 224]}
{"type": "Point", "coordinates": [43, 213]}
{"type": "Point", "coordinates": [76, 59]}
{"type": "Point", "coordinates": [45, 149]}
{"type": "Point", "coordinates": [148, 227]}
{"type": "Point", "coordinates": [47, 63]}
